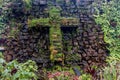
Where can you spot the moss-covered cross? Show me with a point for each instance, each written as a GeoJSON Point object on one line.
{"type": "Point", "coordinates": [55, 21]}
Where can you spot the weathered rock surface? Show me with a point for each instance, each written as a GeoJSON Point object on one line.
{"type": "Point", "coordinates": [83, 45]}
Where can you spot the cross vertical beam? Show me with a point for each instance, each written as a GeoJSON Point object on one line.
{"type": "Point", "coordinates": [55, 35]}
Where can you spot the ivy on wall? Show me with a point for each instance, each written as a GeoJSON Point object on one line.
{"type": "Point", "coordinates": [108, 17]}
{"type": "Point", "coordinates": [2, 25]}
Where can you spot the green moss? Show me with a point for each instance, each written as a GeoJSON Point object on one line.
{"type": "Point", "coordinates": [38, 22]}
{"type": "Point", "coordinates": [54, 11]}
{"type": "Point", "coordinates": [56, 31]}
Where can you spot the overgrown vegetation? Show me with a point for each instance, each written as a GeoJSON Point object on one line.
{"type": "Point", "coordinates": [17, 71]}
{"type": "Point", "coordinates": [2, 25]}
{"type": "Point", "coordinates": [38, 22]}
{"type": "Point", "coordinates": [108, 17]}
{"type": "Point", "coordinates": [65, 73]}
{"type": "Point", "coordinates": [110, 72]}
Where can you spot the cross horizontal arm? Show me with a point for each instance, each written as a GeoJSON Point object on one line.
{"type": "Point", "coordinates": [46, 22]}
{"type": "Point", "coordinates": [38, 22]}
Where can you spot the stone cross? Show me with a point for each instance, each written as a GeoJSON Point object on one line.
{"type": "Point", "coordinates": [55, 21]}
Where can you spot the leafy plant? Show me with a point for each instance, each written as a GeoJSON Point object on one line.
{"type": "Point", "coordinates": [108, 17]}
{"type": "Point", "coordinates": [109, 72]}
{"type": "Point", "coordinates": [17, 71]}
{"type": "Point", "coordinates": [86, 77]}
{"type": "Point", "coordinates": [92, 71]}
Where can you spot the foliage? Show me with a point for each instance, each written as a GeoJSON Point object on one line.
{"type": "Point", "coordinates": [108, 17]}
{"type": "Point", "coordinates": [109, 72]}
{"type": "Point", "coordinates": [2, 25]}
{"type": "Point", "coordinates": [68, 75]}
{"type": "Point", "coordinates": [86, 77]}
{"type": "Point", "coordinates": [17, 71]}
{"type": "Point", "coordinates": [93, 71]}
{"type": "Point", "coordinates": [28, 4]}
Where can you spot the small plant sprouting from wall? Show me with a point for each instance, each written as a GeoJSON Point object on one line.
{"type": "Point", "coordinates": [27, 4]}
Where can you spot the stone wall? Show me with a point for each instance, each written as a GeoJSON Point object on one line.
{"type": "Point", "coordinates": [87, 47]}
